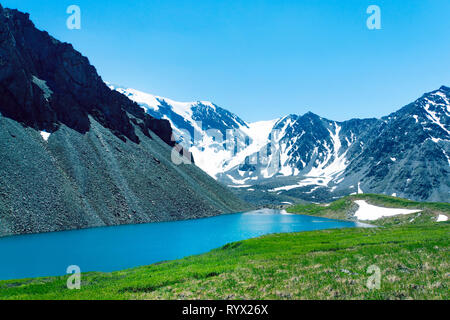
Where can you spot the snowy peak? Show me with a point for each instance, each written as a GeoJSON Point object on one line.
{"type": "Point", "coordinates": [216, 137]}
{"type": "Point", "coordinates": [397, 154]}
{"type": "Point", "coordinates": [311, 157]}
{"type": "Point", "coordinates": [152, 103]}
{"type": "Point", "coordinates": [429, 114]}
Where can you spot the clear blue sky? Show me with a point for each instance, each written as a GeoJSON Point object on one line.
{"type": "Point", "coordinates": [263, 59]}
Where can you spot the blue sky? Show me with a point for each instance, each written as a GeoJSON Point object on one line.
{"type": "Point", "coordinates": [263, 59]}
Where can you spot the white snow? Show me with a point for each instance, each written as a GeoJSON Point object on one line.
{"type": "Point", "coordinates": [258, 132]}
{"type": "Point", "coordinates": [209, 154]}
{"type": "Point", "coordinates": [285, 188]}
{"type": "Point", "coordinates": [313, 189]}
{"type": "Point", "coordinates": [436, 140]}
{"type": "Point", "coordinates": [446, 155]}
{"type": "Point", "coordinates": [359, 188]}
{"type": "Point", "coordinates": [441, 218]}
{"type": "Point", "coordinates": [333, 165]}
{"type": "Point", "coordinates": [370, 212]}
{"type": "Point", "coordinates": [240, 186]}
{"type": "Point", "coordinates": [431, 115]}
{"type": "Point", "coordinates": [45, 135]}
{"type": "Point", "coordinates": [139, 97]}
{"type": "Point", "coordinates": [444, 97]}
{"type": "Point", "coordinates": [151, 101]}
{"type": "Point", "coordinates": [318, 181]}
{"type": "Point", "coordinates": [236, 181]}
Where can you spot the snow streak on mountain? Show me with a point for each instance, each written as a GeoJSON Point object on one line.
{"type": "Point", "coordinates": [309, 157]}
{"type": "Point", "coordinates": [217, 138]}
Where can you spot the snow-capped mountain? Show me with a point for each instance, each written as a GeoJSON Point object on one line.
{"type": "Point", "coordinates": [313, 158]}
{"type": "Point", "coordinates": [407, 153]}
{"type": "Point", "coordinates": [217, 138]}
{"type": "Point", "coordinates": [404, 154]}
{"type": "Point", "coordinates": [306, 146]}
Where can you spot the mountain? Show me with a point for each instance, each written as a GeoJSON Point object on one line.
{"type": "Point", "coordinates": [316, 159]}
{"type": "Point", "coordinates": [217, 138]}
{"type": "Point", "coordinates": [77, 154]}
{"type": "Point", "coordinates": [407, 153]}
{"type": "Point", "coordinates": [312, 158]}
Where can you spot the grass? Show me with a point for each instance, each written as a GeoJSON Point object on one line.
{"type": "Point", "coordinates": [345, 207]}
{"type": "Point", "coordinates": [327, 264]}
{"type": "Point", "coordinates": [411, 252]}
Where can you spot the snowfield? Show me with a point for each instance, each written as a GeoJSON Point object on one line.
{"type": "Point", "coordinates": [370, 212]}
{"type": "Point", "coordinates": [45, 135]}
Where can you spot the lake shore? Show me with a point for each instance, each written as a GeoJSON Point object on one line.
{"type": "Point", "coordinates": [327, 264]}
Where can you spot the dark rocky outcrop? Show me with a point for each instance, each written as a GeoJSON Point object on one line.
{"type": "Point", "coordinates": [45, 83]}
{"type": "Point", "coordinates": [106, 161]}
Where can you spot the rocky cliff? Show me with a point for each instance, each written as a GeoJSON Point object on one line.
{"type": "Point", "coordinates": [76, 154]}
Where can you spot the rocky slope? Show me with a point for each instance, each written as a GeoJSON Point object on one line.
{"type": "Point", "coordinates": [76, 154]}
{"type": "Point", "coordinates": [407, 153]}
{"type": "Point", "coordinates": [404, 154]}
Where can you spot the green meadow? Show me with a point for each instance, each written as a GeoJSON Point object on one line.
{"type": "Point", "coordinates": [412, 259]}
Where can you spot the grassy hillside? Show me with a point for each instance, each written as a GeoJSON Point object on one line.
{"type": "Point", "coordinates": [345, 207]}
{"type": "Point", "coordinates": [328, 264]}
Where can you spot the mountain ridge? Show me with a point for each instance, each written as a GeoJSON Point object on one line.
{"type": "Point", "coordinates": [76, 154]}
{"type": "Point", "coordinates": [318, 150]}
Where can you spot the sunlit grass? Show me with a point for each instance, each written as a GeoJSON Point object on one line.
{"type": "Point", "coordinates": [326, 264]}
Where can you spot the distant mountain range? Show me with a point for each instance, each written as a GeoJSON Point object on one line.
{"type": "Point", "coordinates": [76, 154]}
{"type": "Point", "coordinates": [308, 157]}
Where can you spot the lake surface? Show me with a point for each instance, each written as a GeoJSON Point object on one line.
{"type": "Point", "coordinates": [115, 248]}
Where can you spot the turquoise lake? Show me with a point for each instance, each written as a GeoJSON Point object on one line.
{"type": "Point", "coordinates": [115, 248]}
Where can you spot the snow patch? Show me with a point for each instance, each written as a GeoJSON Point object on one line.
{"type": "Point", "coordinates": [370, 212]}
{"type": "Point", "coordinates": [318, 181]}
{"type": "Point", "coordinates": [241, 186]}
{"type": "Point", "coordinates": [236, 181]}
{"type": "Point", "coordinates": [334, 165]}
{"type": "Point", "coordinates": [285, 188]}
{"type": "Point", "coordinates": [359, 188]}
{"type": "Point", "coordinates": [258, 132]}
{"type": "Point", "coordinates": [45, 135]}
{"type": "Point", "coordinates": [431, 115]}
